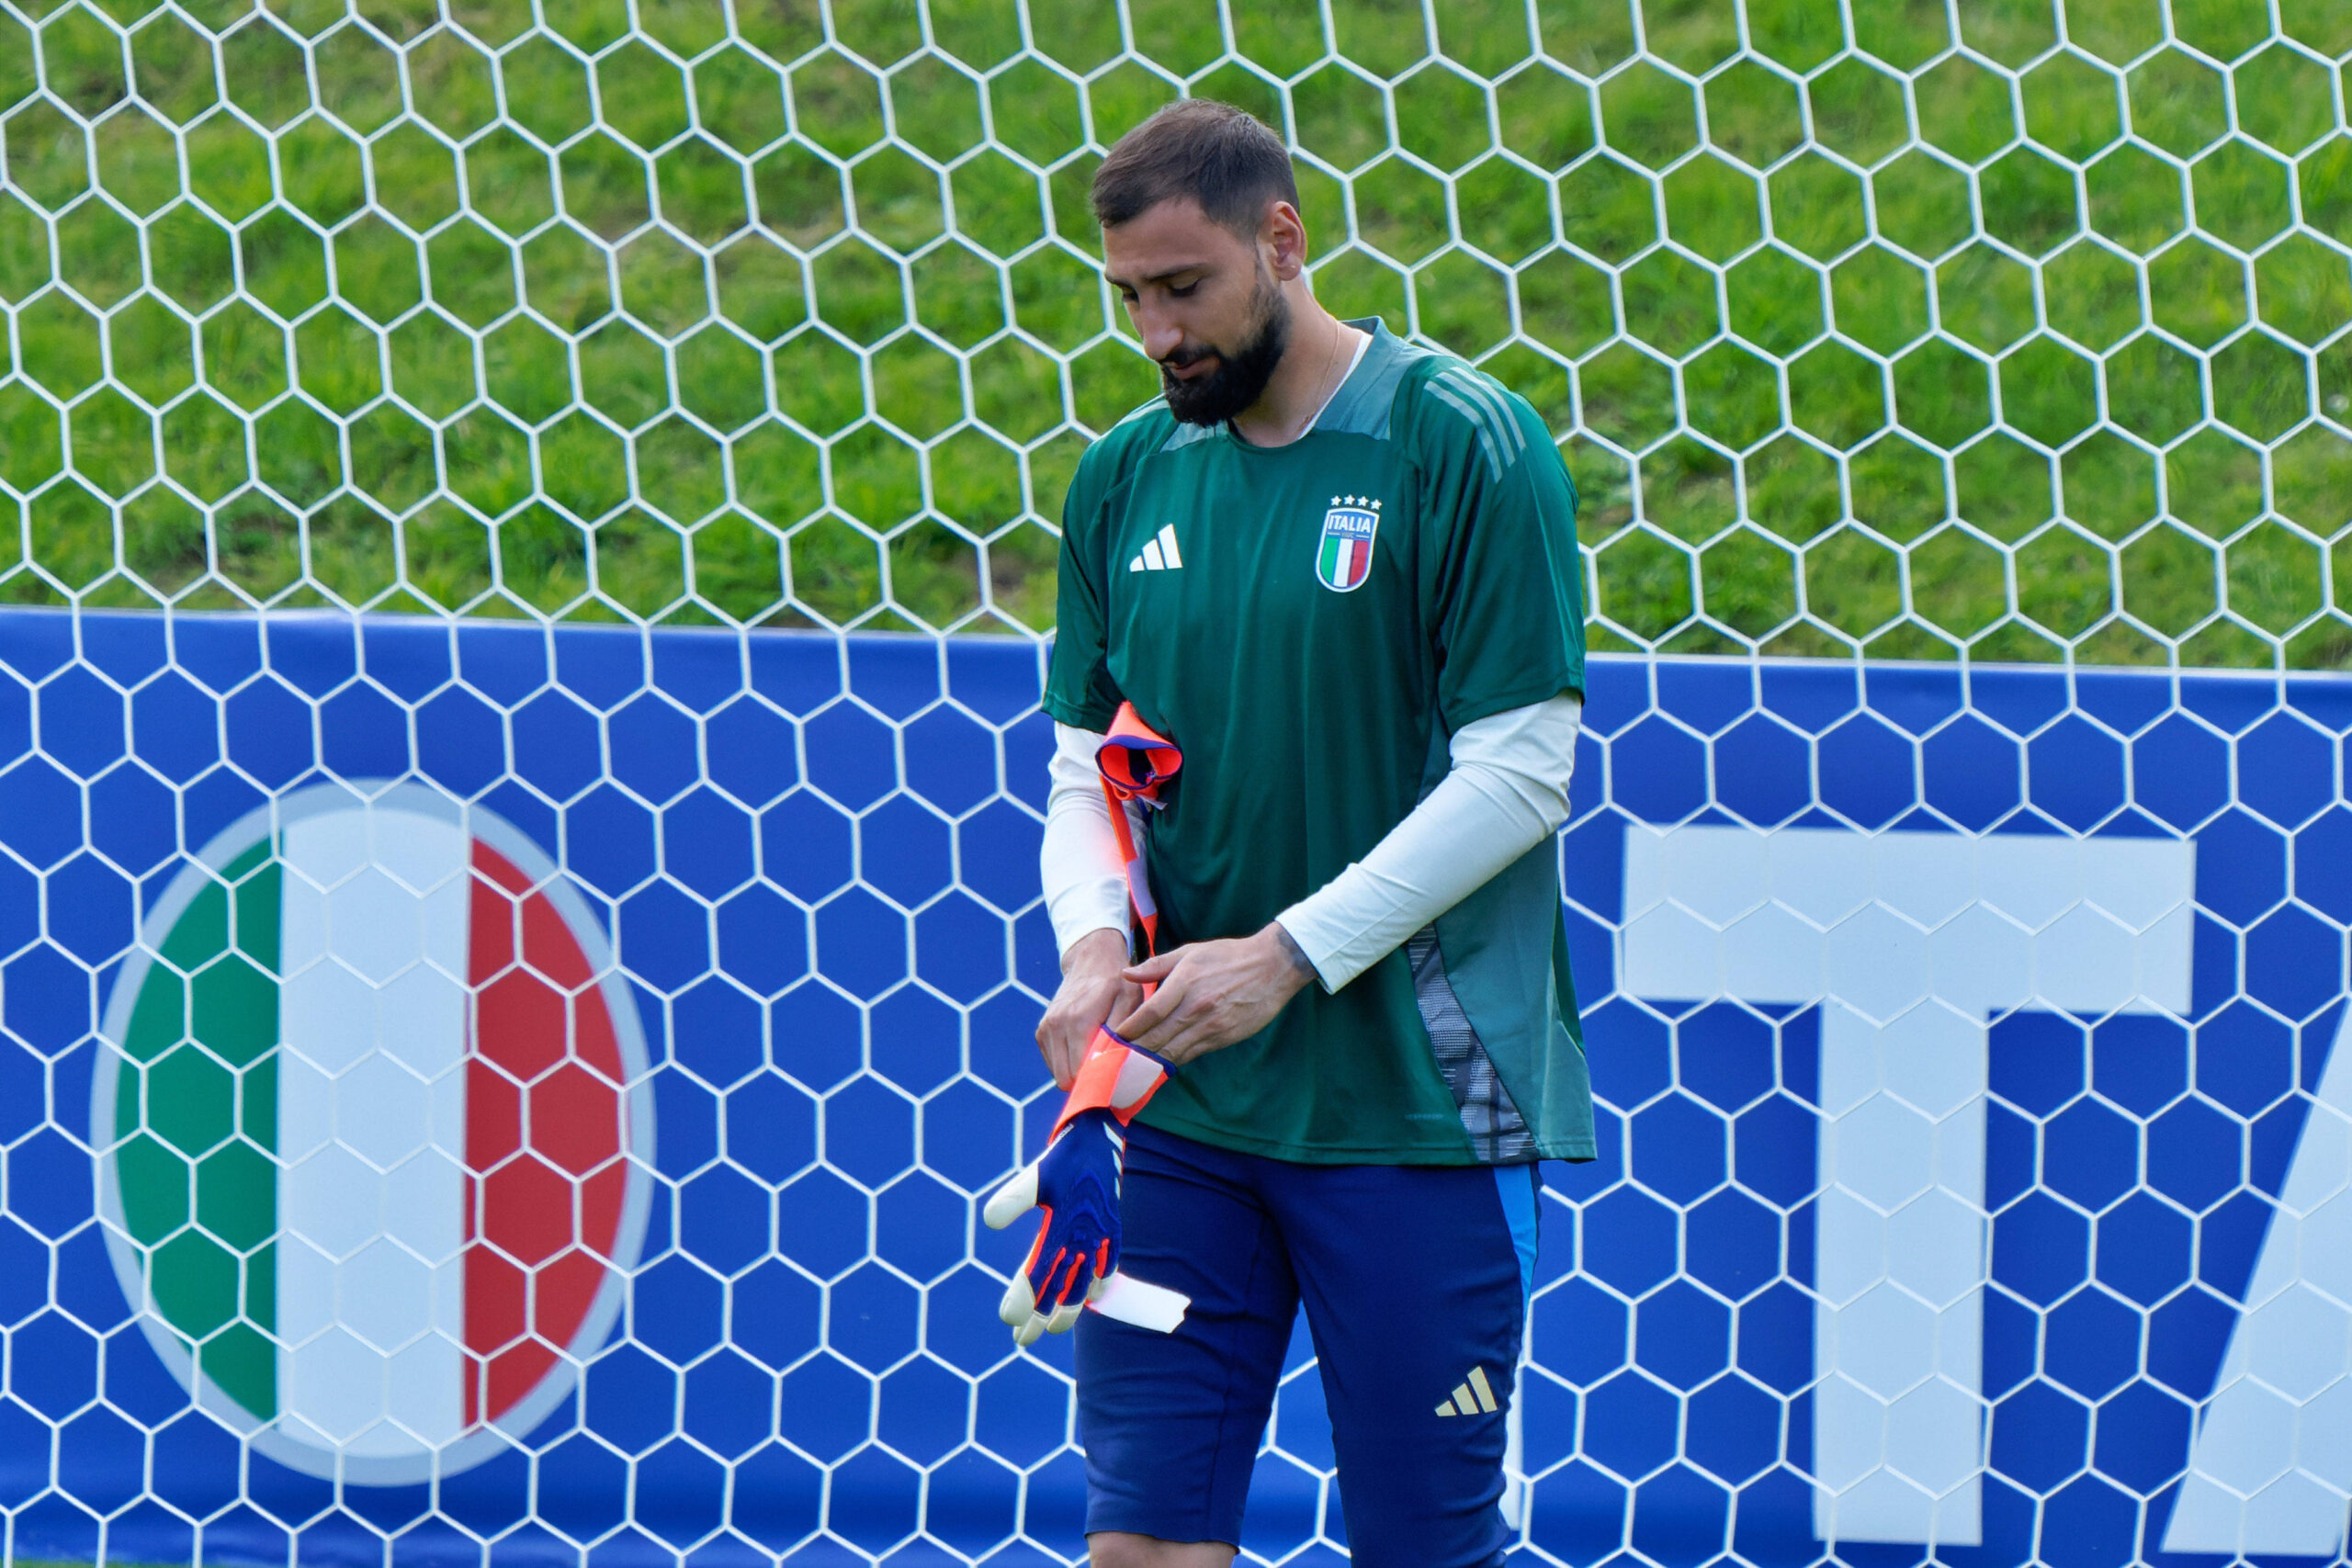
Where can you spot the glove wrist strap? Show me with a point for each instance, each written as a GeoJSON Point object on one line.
{"type": "Point", "coordinates": [1115, 1076]}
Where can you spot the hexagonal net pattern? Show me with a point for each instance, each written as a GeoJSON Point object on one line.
{"type": "Point", "coordinates": [2012, 330]}
{"type": "Point", "coordinates": [470, 1095]}
{"type": "Point", "coordinates": [1976, 335]}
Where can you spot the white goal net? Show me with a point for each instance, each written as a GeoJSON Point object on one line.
{"type": "Point", "coordinates": [2007, 329]}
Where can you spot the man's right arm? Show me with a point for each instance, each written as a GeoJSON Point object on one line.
{"type": "Point", "coordinates": [1085, 883]}
{"type": "Point", "coordinates": [1086, 899]}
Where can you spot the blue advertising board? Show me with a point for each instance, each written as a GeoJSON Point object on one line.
{"type": "Point", "coordinates": [476, 1091]}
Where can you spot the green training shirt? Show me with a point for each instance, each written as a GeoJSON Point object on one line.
{"type": "Point", "coordinates": [1311, 624]}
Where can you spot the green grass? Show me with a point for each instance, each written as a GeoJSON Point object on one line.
{"type": "Point", "coordinates": [682, 335]}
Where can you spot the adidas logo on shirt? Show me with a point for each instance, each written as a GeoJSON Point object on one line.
{"type": "Point", "coordinates": [1159, 554]}
{"type": "Point", "coordinates": [1476, 1396]}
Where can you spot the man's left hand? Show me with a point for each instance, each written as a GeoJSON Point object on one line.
{"type": "Point", "coordinates": [1214, 994]}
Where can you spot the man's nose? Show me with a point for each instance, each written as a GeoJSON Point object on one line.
{"type": "Point", "coordinates": [1161, 337]}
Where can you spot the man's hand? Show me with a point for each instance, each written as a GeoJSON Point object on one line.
{"type": "Point", "coordinates": [1092, 990]}
{"type": "Point", "coordinates": [1213, 994]}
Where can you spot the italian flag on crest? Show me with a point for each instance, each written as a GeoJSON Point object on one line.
{"type": "Point", "coordinates": [376, 1131]}
{"type": "Point", "coordinates": [1343, 555]}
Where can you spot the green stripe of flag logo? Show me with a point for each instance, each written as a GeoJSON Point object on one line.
{"type": "Point", "coordinates": [371, 1051]}
{"type": "Point", "coordinates": [196, 1118]}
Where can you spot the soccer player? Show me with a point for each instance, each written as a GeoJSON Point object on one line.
{"type": "Point", "coordinates": [1339, 573]}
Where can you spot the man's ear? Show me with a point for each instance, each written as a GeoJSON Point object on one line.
{"type": "Point", "coordinates": [1283, 239]}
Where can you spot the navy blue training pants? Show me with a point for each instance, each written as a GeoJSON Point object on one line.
{"type": "Point", "coordinates": [1415, 1281]}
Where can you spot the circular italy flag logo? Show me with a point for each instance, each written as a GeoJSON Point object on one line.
{"type": "Point", "coordinates": [375, 1133]}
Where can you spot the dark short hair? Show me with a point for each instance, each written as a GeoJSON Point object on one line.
{"type": "Point", "coordinates": [1200, 150]}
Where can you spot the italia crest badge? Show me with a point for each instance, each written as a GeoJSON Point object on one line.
{"type": "Point", "coordinates": [1343, 555]}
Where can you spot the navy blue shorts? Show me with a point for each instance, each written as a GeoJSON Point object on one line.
{"type": "Point", "coordinates": [1415, 1281]}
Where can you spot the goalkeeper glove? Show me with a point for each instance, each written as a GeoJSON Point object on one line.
{"type": "Point", "coordinates": [1076, 1183]}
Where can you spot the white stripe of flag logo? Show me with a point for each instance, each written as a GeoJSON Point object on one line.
{"type": "Point", "coordinates": [375, 1133]}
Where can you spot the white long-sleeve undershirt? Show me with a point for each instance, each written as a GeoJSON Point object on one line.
{"type": "Point", "coordinates": [1505, 792]}
{"type": "Point", "coordinates": [1086, 887]}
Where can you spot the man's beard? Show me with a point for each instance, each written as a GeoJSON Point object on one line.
{"type": "Point", "coordinates": [1240, 377]}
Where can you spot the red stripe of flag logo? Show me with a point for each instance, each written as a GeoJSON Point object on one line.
{"type": "Point", "coordinates": [375, 1133]}
{"type": "Point", "coordinates": [1343, 555]}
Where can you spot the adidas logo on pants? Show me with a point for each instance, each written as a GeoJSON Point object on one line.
{"type": "Point", "coordinates": [1474, 1397]}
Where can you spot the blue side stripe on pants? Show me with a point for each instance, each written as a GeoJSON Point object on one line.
{"type": "Point", "coordinates": [1516, 1183]}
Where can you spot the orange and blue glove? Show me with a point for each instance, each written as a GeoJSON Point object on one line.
{"type": "Point", "coordinates": [1076, 1183]}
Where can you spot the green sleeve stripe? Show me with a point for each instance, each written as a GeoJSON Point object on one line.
{"type": "Point", "coordinates": [1500, 400]}
{"type": "Point", "coordinates": [1477, 424]}
{"type": "Point", "coordinates": [1498, 412]}
{"type": "Point", "coordinates": [1492, 416]}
